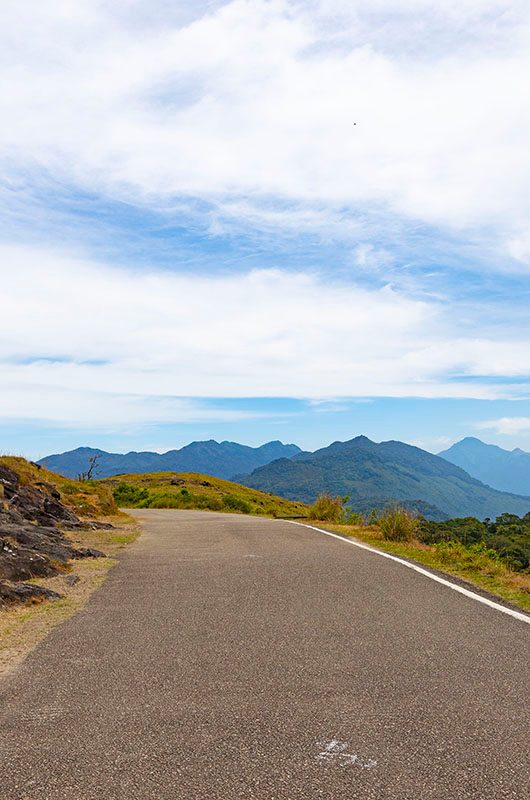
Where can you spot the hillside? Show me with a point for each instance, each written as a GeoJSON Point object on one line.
{"type": "Point", "coordinates": [220, 459]}
{"type": "Point", "coordinates": [507, 470]}
{"type": "Point", "coordinates": [381, 474]}
{"type": "Point", "coordinates": [87, 499]}
{"type": "Point", "coordinates": [42, 527]}
{"type": "Point", "coordinates": [193, 490]}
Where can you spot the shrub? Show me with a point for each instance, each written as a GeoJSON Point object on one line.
{"type": "Point", "coordinates": [236, 504]}
{"type": "Point", "coordinates": [355, 518]}
{"type": "Point", "coordinates": [205, 501]}
{"type": "Point", "coordinates": [327, 508]}
{"type": "Point", "coordinates": [467, 530]}
{"type": "Point", "coordinates": [398, 524]}
{"type": "Point", "coordinates": [508, 536]}
{"type": "Point", "coordinates": [129, 496]}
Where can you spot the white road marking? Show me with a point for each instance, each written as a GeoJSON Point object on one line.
{"type": "Point", "coordinates": [484, 600]}
{"type": "Point", "coordinates": [334, 752]}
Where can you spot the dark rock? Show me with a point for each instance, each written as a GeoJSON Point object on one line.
{"type": "Point", "coordinates": [25, 592]}
{"type": "Point", "coordinates": [50, 488]}
{"type": "Point", "coordinates": [71, 580]}
{"type": "Point", "coordinates": [9, 483]}
{"type": "Point", "coordinates": [47, 541]}
{"type": "Point", "coordinates": [22, 563]}
{"type": "Point", "coordinates": [39, 503]}
{"type": "Point", "coordinates": [89, 525]}
{"type": "Point", "coordinates": [87, 552]}
{"type": "Point", "coordinates": [32, 539]}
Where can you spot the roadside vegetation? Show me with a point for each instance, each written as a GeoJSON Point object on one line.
{"type": "Point", "coordinates": [490, 554]}
{"type": "Point", "coordinates": [191, 490]}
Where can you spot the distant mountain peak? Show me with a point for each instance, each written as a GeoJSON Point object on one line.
{"type": "Point", "coordinates": [506, 470]}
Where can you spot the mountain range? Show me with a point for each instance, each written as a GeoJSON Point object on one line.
{"type": "Point", "coordinates": [507, 470]}
{"type": "Point", "coordinates": [376, 475]}
{"type": "Point", "coordinates": [220, 459]}
{"type": "Point", "coordinates": [372, 475]}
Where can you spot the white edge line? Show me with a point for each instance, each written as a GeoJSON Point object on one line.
{"type": "Point", "coordinates": [491, 603]}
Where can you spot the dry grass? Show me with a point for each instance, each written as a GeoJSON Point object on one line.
{"type": "Point", "coordinates": [326, 507]}
{"type": "Point", "coordinates": [23, 627]}
{"type": "Point", "coordinates": [398, 525]}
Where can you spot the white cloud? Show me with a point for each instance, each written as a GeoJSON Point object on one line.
{"type": "Point", "coordinates": [519, 247]}
{"type": "Point", "coordinates": [508, 426]}
{"type": "Point", "coordinates": [82, 340]}
{"type": "Point", "coordinates": [250, 106]}
{"type": "Point", "coordinates": [34, 398]}
{"type": "Point", "coordinates": [147, 101]}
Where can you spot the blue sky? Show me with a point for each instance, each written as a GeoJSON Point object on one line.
{"type": "Point", "coordinates": [295, 219]}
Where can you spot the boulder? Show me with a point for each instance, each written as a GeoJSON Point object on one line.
{"type": "Point", "coordinates": [16, 592]}
{"type": "Point", "coordinates": [87, 552]}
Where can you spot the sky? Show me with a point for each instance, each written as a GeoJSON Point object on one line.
{"type": "Point", "coordinates": [263, 219]}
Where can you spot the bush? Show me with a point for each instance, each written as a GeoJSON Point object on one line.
{"type": "Point", "coordinates": [398, 525]}
{"type": "Point", "coordinates": [165, 500]}
{"type": "Point", "coordinates": [129, 496]}
{"type": "Point", "coordinates": [236, 504]}
{"type": "Point", "coordinates": [508, 536]}
{"type": "Point", "coordinates": [327, 508]}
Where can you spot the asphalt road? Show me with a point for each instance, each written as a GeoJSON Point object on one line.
{"type": "Point", "coordinates": [236, 657]}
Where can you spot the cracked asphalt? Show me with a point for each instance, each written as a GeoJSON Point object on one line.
{"type": "Point", "coordinates": [236, 657]}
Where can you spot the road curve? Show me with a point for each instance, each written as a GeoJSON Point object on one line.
{"type": "Point", "coordinates": [236, 657]}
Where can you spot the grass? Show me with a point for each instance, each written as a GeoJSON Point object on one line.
{"type": "Point", "coordinates": [475, 564]}
{"type": "Point", "coordinates": [398, 525]}
{"type": "Point", "coordinates": [191, 490]}
{"type": "Point", "coordinates": [327, 508]}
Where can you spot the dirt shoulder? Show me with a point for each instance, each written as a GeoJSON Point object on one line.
{"type": "Point", "coordinates": [22, 627]}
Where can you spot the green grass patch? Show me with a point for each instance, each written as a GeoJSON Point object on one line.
{"type": "Point", "coordinates": [190, 490]}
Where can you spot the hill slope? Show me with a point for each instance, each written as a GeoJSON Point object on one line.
{"type": "Point", "coordinates": [378, 474]}
{"type": "Point", "coordinates": [221, 459]}
{"type": "Point", "coordinates": [507, 470]}
{"type": "Point", "coordinates": [193, 490]}
{"type": "Point", "coordinates": [36, 509]}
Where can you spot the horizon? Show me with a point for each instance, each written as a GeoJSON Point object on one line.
{"type": "Point", "coordinates": [95, 448]}
{"type": "Point", "coordinates": [233, 219]}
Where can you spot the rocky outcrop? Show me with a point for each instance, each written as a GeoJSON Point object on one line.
{"type": "Point", "coordinates": [32, 539]}
{"type": "Point", "coordinates": [24, 593]}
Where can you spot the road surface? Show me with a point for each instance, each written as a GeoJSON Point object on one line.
{"type": "Point", "coordinates": [236, 657]}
